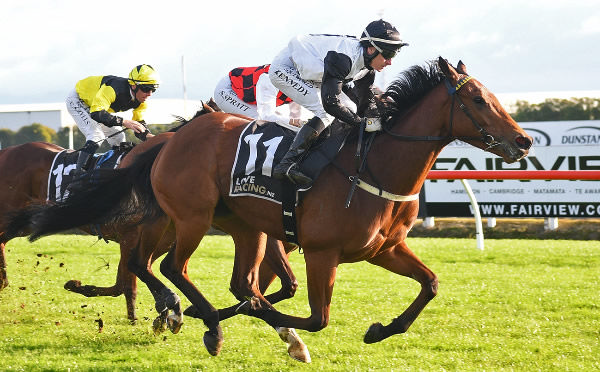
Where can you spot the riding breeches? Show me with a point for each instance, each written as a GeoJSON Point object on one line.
{"type": "Point", "coordinates": [285, 76]}
{"type": "Point", "coordinates": [91, 129]}
{"type": "Point", "coordinates": [229, 102]}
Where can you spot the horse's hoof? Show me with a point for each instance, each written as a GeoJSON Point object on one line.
{"type": "Point", "coordinates": [174, 323]}
{"type": "Point", "coordinates": [374, 333]}
{"type": "Point", "coordinates": [159, 325]}
{"type": "Point", "coordinates": [192, 312]}
{"type": "Point", "coordinates": [296, 347]}
{"type": "Point", "coordinates": [72, 285]}
{"type": "Point", "coordinates": [213, 342]}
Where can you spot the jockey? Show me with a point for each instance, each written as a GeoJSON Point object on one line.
{"type": "Point", "coordinates": [248, 91]}
{"type": "Point", "coordinates": [314, 70]}
{"type": "Point", "coordinates": [95, 98]}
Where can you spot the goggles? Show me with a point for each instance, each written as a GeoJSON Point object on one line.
{"type": "Point", "coordinates": [147, 88]}
{"type": "Point", "coordinates": [386, 53]}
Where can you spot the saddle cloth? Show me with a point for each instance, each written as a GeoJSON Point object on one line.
{"type": "Point", "coordinates": [60, 175]}
{"type": "Point", "coordinates": [261, 146]}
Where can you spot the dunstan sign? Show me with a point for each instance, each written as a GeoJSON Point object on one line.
{"type": "Point", "coordinates": [563, 145]}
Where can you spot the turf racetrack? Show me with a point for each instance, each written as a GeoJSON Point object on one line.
{"type": "Point", "coordinates": [518, 305]}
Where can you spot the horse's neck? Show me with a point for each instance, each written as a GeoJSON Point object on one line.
{"type": "Point", "coordinates": [405, 164]}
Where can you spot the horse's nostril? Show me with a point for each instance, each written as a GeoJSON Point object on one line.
{"type": "Point", "coordinates": [523, 142]}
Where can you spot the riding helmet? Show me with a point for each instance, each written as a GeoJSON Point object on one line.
{"type": "Point", "coordinates": [383, 37]}
{"type": "Point", "coordinates": [144, 75]}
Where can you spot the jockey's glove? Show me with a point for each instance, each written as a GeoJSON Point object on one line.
{"type": "Point", "coordinates": [372, 124]}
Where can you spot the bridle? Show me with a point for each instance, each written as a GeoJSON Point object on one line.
{"type": "Point", "coordinates": [486, 137]}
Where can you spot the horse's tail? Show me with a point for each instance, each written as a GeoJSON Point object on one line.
{"type": "Point", "coordinates": [105, 196]}
{"type": "Point", "coordinates": [18, 222]}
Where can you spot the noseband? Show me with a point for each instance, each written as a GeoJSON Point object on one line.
{"type": "Point", "coordinates": [486, 137]}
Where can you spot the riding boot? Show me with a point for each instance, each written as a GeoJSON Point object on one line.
{"type": "Point", "coordinates": [288, 167]}
{"type": "Point", "coordinates": [83, 160]}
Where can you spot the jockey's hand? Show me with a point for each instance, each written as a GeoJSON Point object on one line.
{"type": "Point", "coordinates": [144, 135]}
{"type": "Point", "coordinates": [134, 126]}
{"type": "Point", "coordinates": [296, 122]}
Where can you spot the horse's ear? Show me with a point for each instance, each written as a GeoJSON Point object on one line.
{"type": "Point", "coordinates": [461, 68]}
{"type": "Point", "coordinates": [447, 69]}
{"type": "Point", "coordinates": [213, 104]}
{"type": "Point", "coordinates": [206, 107]}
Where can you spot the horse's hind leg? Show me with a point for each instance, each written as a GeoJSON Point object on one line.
{"type": "Point", "coordinates": [152, 242]}
{"type": "Point", "coordinates": [189, 232]}
{"type": "Point", "coordinates": [3, 278]}
{"type": "Point", "coordinates": [275, 263]}
{"type": "Point", "coordinates": [401, 260]}
{"type": "Point", "coordinates": [126, 283]}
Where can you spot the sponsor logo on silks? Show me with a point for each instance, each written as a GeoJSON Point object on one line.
{"type": "Point", "coordinates": [459, 84]}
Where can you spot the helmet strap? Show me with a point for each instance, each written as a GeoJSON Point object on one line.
{"type": "Point", "coordinates": [369, 57]}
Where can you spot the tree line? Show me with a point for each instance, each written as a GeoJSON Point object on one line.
{"type": "Point", "coordinates": [39, 132]}
{"type": "Point", "coordinates": [555, 109]}
{"type": "Point", "coordinates": [552, 109]}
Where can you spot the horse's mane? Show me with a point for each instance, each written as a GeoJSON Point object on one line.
{"type": "Point", "coordinates": [410, 87]}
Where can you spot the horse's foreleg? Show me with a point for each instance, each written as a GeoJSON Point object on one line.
{"type": "Point", "coordinates": [401, 260]}
{"type": "Point", "coordinates": [3, 278]}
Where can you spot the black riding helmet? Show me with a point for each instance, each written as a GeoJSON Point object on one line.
{"type": "Point", "coordinates": [383, 37]}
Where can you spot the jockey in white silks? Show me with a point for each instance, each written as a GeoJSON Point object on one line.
{"type": "Point", "coordinates": [315, 71]}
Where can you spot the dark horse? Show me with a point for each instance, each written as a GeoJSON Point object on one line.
{"type": "Point", "coordinates": [25, 169]}
{"type": "Point", "coordinates": [425, 109]}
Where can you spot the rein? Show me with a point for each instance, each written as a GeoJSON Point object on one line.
{"type": "Point", "coordinates": [486, 138]}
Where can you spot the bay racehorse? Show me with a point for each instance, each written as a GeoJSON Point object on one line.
{"type": "Point", "coordinates": [25, 170]}
{"type": "Point", "coordinates": [424, 110]}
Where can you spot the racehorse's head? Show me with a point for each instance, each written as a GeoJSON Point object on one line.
{"type": "Point", "coordinates": [478, 117]}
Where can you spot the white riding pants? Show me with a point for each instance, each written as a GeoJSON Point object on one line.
{"type": "Point", "coordinates": [91, 129]}
{"type": "Point", "coordinates": [229, 102]}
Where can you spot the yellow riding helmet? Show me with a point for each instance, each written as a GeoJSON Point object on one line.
{"type": "Point", "coordinates": [144, 75]}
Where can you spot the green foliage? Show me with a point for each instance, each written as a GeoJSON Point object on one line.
{"type": "Point", "coordinates": [554, 109]}
{"type": "Point", "coordinates": [35, 132]}
{"type": "Point", "coordinates": [39, 132]}
{"type": "Point", "coordinates": [519, 305]}
{"type": "Point", "coordinates": [62, 138]}
{"type": "Point", "coordinates": [7, 137]}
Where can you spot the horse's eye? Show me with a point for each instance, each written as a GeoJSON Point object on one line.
{"type": "Point", "coordinates": [479, 100]}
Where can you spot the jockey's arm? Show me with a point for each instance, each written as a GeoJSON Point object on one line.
{"type": "Point", "coordinates": [362, 90]}
{"type": "Point", "coordinates": [336, 67]}
{"type": "Point", "coordinates": [99, 109]}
